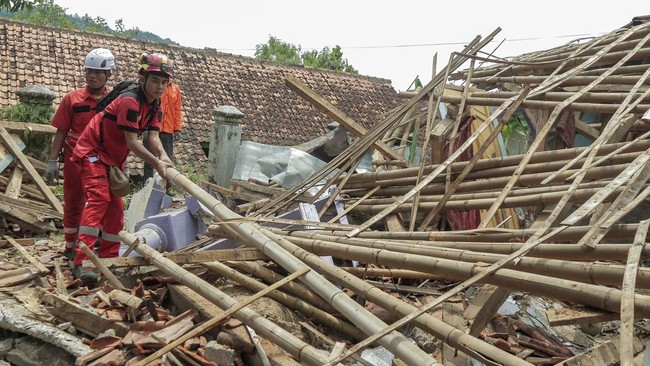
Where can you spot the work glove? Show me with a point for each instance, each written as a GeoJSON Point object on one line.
{"type": "Point", "coordinates": [52, 171]}
{"type": "Point", "coordinates": [177, 135]}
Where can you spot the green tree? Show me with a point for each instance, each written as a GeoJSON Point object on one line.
{"type": "Point", "coordinates": [276, 50]}
{"type": "Point", "coordinates": [328, 59]}
{"type": "Point", "coordinates": [15, 5]}
{"type": "Point", "coordinates": [46, 12]}
{"type": "Point", "coordinates": [290, 54]}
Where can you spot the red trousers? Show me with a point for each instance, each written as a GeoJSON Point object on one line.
{"type": "Point", "coordinates": [104, 211]}
{"type": "Point", "coordinates": [73, 197]}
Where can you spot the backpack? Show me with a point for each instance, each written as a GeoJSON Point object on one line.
{"type": "Point", "coordinates": [127, 86]}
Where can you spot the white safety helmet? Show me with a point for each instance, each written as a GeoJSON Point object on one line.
{"type": "Point", "coordinates": [100, 59]}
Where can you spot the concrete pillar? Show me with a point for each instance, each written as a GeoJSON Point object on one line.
{"type": "Point", "coordinates": [225, 138]}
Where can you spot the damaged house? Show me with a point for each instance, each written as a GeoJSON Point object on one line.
{"type": "Point", "coordinates": [517, 238]}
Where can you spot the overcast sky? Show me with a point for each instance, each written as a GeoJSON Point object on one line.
{"type": "Point", "coordinates": [394, 40]}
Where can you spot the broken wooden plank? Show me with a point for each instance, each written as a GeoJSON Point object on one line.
{"type": "Point", "coordinates": [20, 127]}
{"type": "Point", "coordinates": [15, 181]}
{"type": "Point", "coordinates": [606, 354]}
{"type": "Point", "coordinates": [229, 193]}
{"type": "Point", "coordinates": [219, 255]}
{"type": "Point", "coordinates": [35, 262]}
{"type": "Point", "coordinates": [580, 315]}
{"type": "Point", "coordinates": [628, 291]}
{"type": "Point", "coordinates": [338, 115]}
{"type": "Point", "coordinates": [20, 157]}
{"type": "Point", "coordinates": [83, 319]}
{"type": "Point", "coordinates": [484, 306]}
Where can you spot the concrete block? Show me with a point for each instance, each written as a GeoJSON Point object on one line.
{"type": "Point", "coordinates": [6, 345]}
{"type": "Point", "coordinates": [31, 352]}
{"type": "Point", "coordinates": [221, 355]}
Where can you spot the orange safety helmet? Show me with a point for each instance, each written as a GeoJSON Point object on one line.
{"type": "Point", "coordinates": [157, 63]}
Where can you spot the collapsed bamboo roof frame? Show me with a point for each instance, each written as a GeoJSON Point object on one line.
{"type": "Point", "coordinates": [625, 187]}
{"type": "Point", "coordinates": [566, 85]}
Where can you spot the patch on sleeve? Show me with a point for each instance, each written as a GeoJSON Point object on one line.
{"type": "Point", "coordinates": [132, 115]}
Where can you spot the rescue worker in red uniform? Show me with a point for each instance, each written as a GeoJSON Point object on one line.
{"type": "Point", "coordinates": [106, 142]}
{"type": "Point", "coordinates": [75, 111]}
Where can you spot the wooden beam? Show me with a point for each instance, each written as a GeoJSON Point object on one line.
{"type": "Point", "coordinates": [219, 255]}
{"type": "Point", "coordinates": [24, 219]}
{"type": "Point", "coordinates": [6, 139]}
{"type": "Point", "coordinates": [587, 130]}
{"type": "Point", "coordinates": [83, 319]}
{"type": "Point", "coordinates": [582, 315]}
{"type": "Point", "coordinates": [35, 262]}
{"type": "Point", "coordinates": [329, 109]}
{"type": "Point", "coordinates": [229, 192]}
{"type": "Point", "coordinates": [20, 127]}
{"type": "Point", "coordinates": [606, 354]}
{"type": "Point", "coordinates": [15, 181]}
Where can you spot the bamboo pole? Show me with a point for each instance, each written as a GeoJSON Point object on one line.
{"type": "Point", "coordinates": [363, 143]}
{"type": "Point", "coordinates": [292, 302]}
{"type": "Point", "coordinates": [541, 135]}
{"type": "Point", "coordinates": [451, 189]}
{"type": "Point", "coordinates": [482, 164]}
{"type": "Point", "coordinates": [364, 272]}
{"type": "Point", "coordinates": [278, 249]}
{"type": "Point", "coordinates": [579, 196]}
{"type": "Point", "coordinates": [446, 262]}
{"type": "Point", "coordinates": [608, 58]}
{"type": "Point", "coordinates": [269, 276]}
{"type": "Point", "coordinates": [285, 340]}
{"type": "Point", "coordinates": [430, 177]}
{"type": "Point", "coordinates": [597, 296]}
{"type": "Point", "coordinates": [439, 329]}
{"type": "Point", "coordinates": [609, 251]}
{"type": "Point", "coordinates": [617, 232]}
{"type": "Point", "coordinates": [551, 168]}
{"type": "Point", "coordinates": [516, 192]}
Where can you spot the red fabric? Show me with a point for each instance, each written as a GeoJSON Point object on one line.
{"type": "Point", "coordinates": [77, 108]}
{"type": "Point", "coordinates": [73, 198]}
{"type": "Point", "coordinates": [132, 116]}
{"type": "Point", "coordinates": [103, 209]}
{"type": "Point", "coordinates": [74, 113]}
{"type": "Point", "coordinates": [466, 219]}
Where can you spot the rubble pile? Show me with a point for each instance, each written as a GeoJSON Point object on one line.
{"type": "Point", "coordinates": [505, 223]}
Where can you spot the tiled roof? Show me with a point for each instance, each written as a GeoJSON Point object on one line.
{"type": "Point", "coordinates": [273, 114]}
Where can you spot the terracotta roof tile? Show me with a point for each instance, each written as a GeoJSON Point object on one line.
{"type": "Point", "coordinates": [273, 114]}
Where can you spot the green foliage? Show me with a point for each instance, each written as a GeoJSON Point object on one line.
{"type": "Point", "coordinates": [290, 54]}
{"type": "Point", "coordinates": [328, 59]}
{"type": "Point", "coordinates": [16, 5]}
{"type": "Point", "coordinates": [278, 51]}
{"type": "Point", "coordinates": [193, 175]}
{"type": "Point", "coordinates": [46, 12]}
{"type": "Point", "coordinates": [37, 146]}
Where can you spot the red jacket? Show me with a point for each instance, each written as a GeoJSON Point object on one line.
{"type": "Point", "coordinates": [77, 108]}
{"type": "Point", "coordinates": [104, 135]}
{"type": "Point", "coordinates": [171, 102]}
